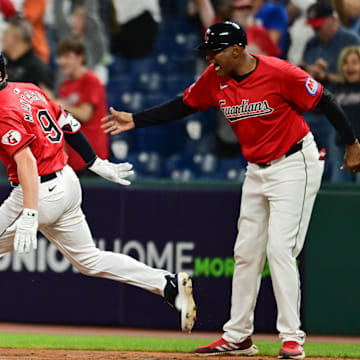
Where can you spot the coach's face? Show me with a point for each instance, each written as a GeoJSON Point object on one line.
{"type": "Point", "coordinates": [225, 61]}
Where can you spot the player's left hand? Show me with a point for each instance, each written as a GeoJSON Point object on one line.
{"type": "Point", "coordinates": [352, 158]}
{"type": "Point", "coordinates": [112, 172]}
{"type": "Point", "coordinates": [25, 231]}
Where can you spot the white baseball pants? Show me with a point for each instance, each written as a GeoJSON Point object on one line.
{"type": "Point", "coordinates": [62, 221]}
{"type": "Point", "coordinates": [275, 211]}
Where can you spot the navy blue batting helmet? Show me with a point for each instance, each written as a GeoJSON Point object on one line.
{"type": "Point", "coordinates": [221, 35]}
{"type": "Point", "coordinates": [2, 67]}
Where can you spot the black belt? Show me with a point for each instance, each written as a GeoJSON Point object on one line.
{"type": "Point", "coordinates": [43, 178]}
{"type": "Point", "coordinates": [297, 147]}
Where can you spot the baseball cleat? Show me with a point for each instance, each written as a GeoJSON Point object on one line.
{"type": "Point", "coordinates": [291, 350]}
{"type": "Point", "coordinates": [179, 294]}
{"type": "Point", "coordinates": [222, 346]}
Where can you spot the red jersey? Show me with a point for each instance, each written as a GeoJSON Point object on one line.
{"type": "Point", "coordinates": [264, 109]}
{"type": "Point", "coordinates": [87, 89]}
{"type": "Point", "coordinates": [29, 118]}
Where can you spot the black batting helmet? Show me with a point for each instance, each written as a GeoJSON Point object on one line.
{"type": "Point", "coordinates": [2, 67]}
{"type": "Point", "coordinates": [221, 35]}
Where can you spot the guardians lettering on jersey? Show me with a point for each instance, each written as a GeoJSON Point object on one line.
{"type": "Point", "coordinates": [245, 110]}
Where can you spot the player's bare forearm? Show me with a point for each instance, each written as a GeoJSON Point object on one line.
{"type": "Point", "coordinates": [117, 122]}
{"type": "Point", "coordinates": [206, 12]}
{"type": "Point", "coordinates": [28, 178]}
{"type": "Point", "coordinates": [82, 112]}
{"type": "Point", "coordinates": [275, 35]}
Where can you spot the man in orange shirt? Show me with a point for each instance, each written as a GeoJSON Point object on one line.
{"type": "Point", "coordinates": [34, 11]}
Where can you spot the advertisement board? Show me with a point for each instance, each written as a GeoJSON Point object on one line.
{"type": "Point", "coordinates": [175, 228]}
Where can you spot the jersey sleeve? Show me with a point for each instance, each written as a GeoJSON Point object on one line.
{"type": "Point", "coordinates": [66, 121]}
{"type": "Point", "coordinates": [14, 136]}
{"type": "Point", "coordinates": [200, 95]}
{"type": "Point", "coordinates": [299, 88]}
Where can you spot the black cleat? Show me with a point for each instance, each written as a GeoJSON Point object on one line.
{"type": "Point", "coordinates": [178, 294]}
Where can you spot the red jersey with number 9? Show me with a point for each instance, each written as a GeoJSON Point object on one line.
{"type": "Point", "coordinates": [29, 118]}
{"type": "Point", "coordinates": [264, 109]}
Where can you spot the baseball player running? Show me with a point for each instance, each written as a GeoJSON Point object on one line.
{"type": "Point", "coordinates": [46, 195]}
{"type": "Point", "coordinates": [262, 99]}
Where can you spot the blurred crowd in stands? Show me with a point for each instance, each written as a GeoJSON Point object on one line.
{"type": "Point", "coordinates": [88, 55]}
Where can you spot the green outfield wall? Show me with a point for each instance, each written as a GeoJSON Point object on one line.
{"type": "Point", "coordinates": [332, 255]}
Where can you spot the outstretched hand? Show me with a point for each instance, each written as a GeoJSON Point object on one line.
{"type": "Point", "coordinates": [116, 173]}
{"type": "Point", "coordinates": [117, 122]}
{"type": "Point", "coordinates": [352, 158]}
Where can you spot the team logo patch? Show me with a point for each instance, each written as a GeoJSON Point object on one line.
{"type": "Point", "coordinates": [12, 137]}
{"type": "Point", "coordinates": [311, 85]}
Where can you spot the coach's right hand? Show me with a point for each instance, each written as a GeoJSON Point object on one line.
{"type": "Point", "coordinates": [25, 231]}
{"type": "Point", "coordinates": [117, 122]}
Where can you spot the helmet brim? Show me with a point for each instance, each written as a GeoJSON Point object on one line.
{"type": "Point", "coordinates": [207, 46]}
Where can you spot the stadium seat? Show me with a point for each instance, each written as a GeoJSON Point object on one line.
{"type": "Point", "coordinates": [146, 164]}
{"type": "Point", "coordinates": [232, 169]}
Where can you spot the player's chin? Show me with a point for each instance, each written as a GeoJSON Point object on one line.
{"type": "Point", "coordinates": [221, 72]}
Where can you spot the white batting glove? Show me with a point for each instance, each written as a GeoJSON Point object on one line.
{"type": "Point", "coordinates": [112, 172]}
{"type": "Point", "coordinates": [25, 231]}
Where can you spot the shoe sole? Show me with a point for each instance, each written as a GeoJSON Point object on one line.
{"type": "Point", "coordinates": [185, 302]}
{"type": "Point", "coordinates": [252, 350]}
{"type": "Point", "coordinates": [302, 356]}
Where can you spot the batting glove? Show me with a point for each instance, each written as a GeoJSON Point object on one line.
{"type": "Point", "coordinates": [25, 231]}
{"type": "Point", "coordinates": [112, 172]}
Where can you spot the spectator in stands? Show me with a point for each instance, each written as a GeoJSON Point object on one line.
{"type": "Point", "coordinates": [135, 28]}
{"type": "Point", "coordinates": [22, 63]}
{"type": "Point", "coordinates": [83, 95]}
{"type": "Point", "coordinates": [323, 49]}
{"type": "Point", "coordinates": [259, 40]}
{"type": "Point", "coordinates": [273, 17]}
{"type": "Point", "coordinates": [241, 12]}
{"type": "Point", "coordinates": [85, 24]}
{"type": "Point", "coordinates": [320, 61]}
{"type": "Point", "coordinates": [347, 93]}
{"type": "Point", "coordinates": [7, 11]}
{"type": "Point", "coordinates": [299, 31]}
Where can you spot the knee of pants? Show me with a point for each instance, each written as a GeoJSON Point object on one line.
{"type": "Point", "coordinates": [245, 257]}
{"type": "Point", "coordinates": [88, 263]}
{"type": "Point", "coordinates": [276, 252]}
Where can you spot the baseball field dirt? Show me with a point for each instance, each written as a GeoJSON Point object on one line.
{"type": "Point", "coordinates": [42, 354]}
{"type": "Point", "coordinates": [25, 354]}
